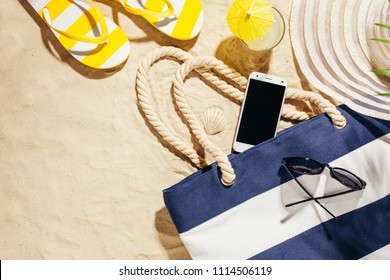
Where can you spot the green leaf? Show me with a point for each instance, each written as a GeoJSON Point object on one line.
{"type": "Point", "coordinates": [381, 40]}
{"type": "Point", "coordinates": [385, 72]}
{"type": "Point", "coordinates": [383, 25]}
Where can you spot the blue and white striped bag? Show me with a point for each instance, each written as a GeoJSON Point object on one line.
{"type": "Point", "coordinates": [249, 220]}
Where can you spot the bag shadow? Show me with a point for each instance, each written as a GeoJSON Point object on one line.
{"type": "Point", "coordinates": [169, 236]}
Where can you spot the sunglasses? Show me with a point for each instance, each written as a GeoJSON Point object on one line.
{"type": "Point", "coordinates": [307, 166]}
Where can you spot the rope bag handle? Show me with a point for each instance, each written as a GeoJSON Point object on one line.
{"type": "Point", "coordinates": [145, 99]}
{"type": "Point", "coordinates": [208, 67]}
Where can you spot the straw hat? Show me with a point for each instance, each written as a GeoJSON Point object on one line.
{"type": "Point", "coordinates": [331, 41]}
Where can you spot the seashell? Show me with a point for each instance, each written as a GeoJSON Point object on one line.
{"type": "Point", "coordinates": [213, 120]}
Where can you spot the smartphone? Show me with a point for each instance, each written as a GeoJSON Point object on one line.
{"type": "Point", "coordinates": [261, 110]}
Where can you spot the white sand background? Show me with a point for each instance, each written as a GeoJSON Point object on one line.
{"type": "Point", "coordinates": [81, 172]}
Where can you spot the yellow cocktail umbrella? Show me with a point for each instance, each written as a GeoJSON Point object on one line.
{"type": "Point", "coordinates": [250, 19]}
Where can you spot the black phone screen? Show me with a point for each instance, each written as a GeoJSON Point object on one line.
{"type": "Point", "coordinates": [261, 112]}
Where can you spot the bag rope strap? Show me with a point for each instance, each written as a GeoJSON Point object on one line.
{"type": "Point", "coordinates": [228, 176]}
{"type": "Point", "coordinates": [208, 67]}
{"type": "Point", "coordinates": [323, 104]}
{"type": "Point", "coordinates": [145, 98]}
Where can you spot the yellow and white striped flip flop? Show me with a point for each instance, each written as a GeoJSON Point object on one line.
{"type": "Point", "coordinates": [179, 19]}
{"type": "Point", "coordinates": [85, 32]}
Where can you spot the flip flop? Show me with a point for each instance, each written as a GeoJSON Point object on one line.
{"type": "Point", "coordinates": [179, 19]}
{"type": "Point", "coordinates": [84, 32]}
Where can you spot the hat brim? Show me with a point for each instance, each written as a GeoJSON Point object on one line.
{"type": "Point", "coordinates": [331, 44]}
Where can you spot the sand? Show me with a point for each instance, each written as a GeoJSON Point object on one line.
{"type": "Point", "coordinates": [81, 172]}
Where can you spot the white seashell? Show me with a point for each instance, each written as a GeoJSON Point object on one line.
{"type": "Point", "coordinates": [213, 120]}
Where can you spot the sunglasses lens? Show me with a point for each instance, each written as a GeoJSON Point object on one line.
{"type": "Point", "coordinates": [303, 165]}
{"type": "Point", "coordinates": [348, 179]}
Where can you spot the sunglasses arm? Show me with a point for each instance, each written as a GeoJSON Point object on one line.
{"type": "Point", "coordinates": [320, 197]}
{"type": "Point", "coordinates": [307, 192]}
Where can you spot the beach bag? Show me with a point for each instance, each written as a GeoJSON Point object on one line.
{"type": "Point", "coordinates": [235, 208]}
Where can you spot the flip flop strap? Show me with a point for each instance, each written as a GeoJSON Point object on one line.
{"type": "Point", "coordinates": [146, 12]}
{"type": "Point", "coordinates": [103, 38]}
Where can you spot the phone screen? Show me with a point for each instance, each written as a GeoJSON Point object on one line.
{"type": "Point", "coordinates": [261, 112]}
